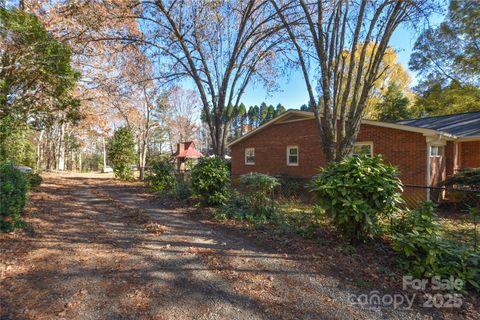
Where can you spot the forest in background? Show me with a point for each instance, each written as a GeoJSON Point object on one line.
{"type": "Point", "coordinates": [71, 74]}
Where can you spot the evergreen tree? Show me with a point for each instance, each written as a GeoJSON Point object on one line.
{"type": "Point", "coordinates": [304, 107]}
{"type": "Point", "coordinates": [438, 99]}
{"type": "Point", "coordinates": [242, 117]}
{"type": "Point", "coordinates": [394, 105]}
{"type": "Point", "coordinates": [36, 80]}
{"type": "Point", "coordinates": [121, 152]}
{"type": "Point", "coordinates": [270, 113]}
{"type": "Point", "coordinates": [263, 113]}
{"type": "Point", "coordinates": [279, 110]}
{"type": "Point", "coordinates": [253, 116]}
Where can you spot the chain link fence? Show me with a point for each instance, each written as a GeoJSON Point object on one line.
{"type": "Point", "coordinates": [458, 209]}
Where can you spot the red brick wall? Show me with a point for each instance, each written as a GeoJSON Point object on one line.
{"type": "Point", "coordinates": [470, 154]}
{"type": "Point", "coordinates": [450, 157]}
{"type": "Point", "coordinates": [407, 150]}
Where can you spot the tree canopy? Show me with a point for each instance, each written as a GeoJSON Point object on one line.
{"type": "Point", "coordinates": [394, 105]}
{"type": "Point", "coordinates": [36, 75]}
{"type": "Point", "coordinates": [325, 35]}
{"type": "Point", "coordinates": [451, 51]}
{"type": "Point", "coordinates": [448, 59]}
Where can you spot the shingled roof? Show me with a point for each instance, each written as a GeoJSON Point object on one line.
{"type": "Point", "coordinates": [187, 150]}
{"type": "Point", "coordinates": [461, 124]}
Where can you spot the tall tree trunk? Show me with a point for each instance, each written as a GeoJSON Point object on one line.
{"type": "Point", "coordinates": [39, 149]}
{"type": "Point", "coordinates": [61, 149]}
{"type": "Point", "coordinates": [104, 153]}
{"type": "Point", "coordinates": [143, 159]}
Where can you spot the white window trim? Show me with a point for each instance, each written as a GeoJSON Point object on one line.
{"type": "Point", "coordinates": [249, 163]}
{"type": "Point", "coordinates": [441, 154]}
{"type": "Point", "coordinates": [365, 143]}
{"type": "Point", "coordinates": [288, 156]}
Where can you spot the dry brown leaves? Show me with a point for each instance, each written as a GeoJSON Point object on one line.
{"type": "Point", "coordinates": [134, 215]}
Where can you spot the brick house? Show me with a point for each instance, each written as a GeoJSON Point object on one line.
{"type": "Point", "coordinates": [425, 150]}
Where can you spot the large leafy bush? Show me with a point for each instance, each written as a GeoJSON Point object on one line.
{"type": "Point", "coordinates": [121, 151]}
{"type": "Point", "coordinates": [424, 254]}
{"type": "Point", "coordinates": [466, 178]}
{"type": "Point", "coordinates": [257, 189]}
{"type": "Point", "coordinates": [210, 180]}
{"type": "Point", "coordinates": [14, 186]}
{"type": "Point", "coordinates": [355, 192]}
{"type": "Point", "coordinates": [162, 177]}
{"type": "Point", "coordinates": [34, 179]}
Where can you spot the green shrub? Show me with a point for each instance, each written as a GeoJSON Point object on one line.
{"type": "Point", "coordinates": [355, 192]}
{"type": "Point", "coordinates": [34, 179]}
{"type": "Point", "coordinates": [121, 151]}
{"type": "Point", "coordinates": [292, 187]}
{"type": "Point", "coordinates": [257, 189]}
{"type": "Point", "coordinates": [238, 209]}
{"type": "Point", "coordinates": [234, 208]}
{"type": "Point", "coordinates": [210, 180]}
{"type": "Point", "coordinates": [424, 254]}
{"type": "Point", "coordinates": [162, 177]}
{"type": "Point", "coordinates": [467, 178]}
{"type": "Point", "coordinates": [183, 190]}
{"type": "Point", "coordinates": [302, 222]}
{"type": "Point", "coordinates": [14, 186]}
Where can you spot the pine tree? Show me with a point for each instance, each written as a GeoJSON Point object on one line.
{"type": "Point", "coordinates": [394, 105]}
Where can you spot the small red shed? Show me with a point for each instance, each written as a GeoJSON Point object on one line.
{"type": "Point", "coordinates": [186, 150]}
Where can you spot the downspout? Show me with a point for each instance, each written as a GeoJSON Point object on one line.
{"type": "Point", "coordinates": [429, 147]}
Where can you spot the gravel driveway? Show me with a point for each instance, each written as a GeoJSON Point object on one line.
{"type": "Point", "coordinates": [99, 249]}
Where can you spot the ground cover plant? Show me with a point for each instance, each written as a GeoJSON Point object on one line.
{"type": "Point", "coordinates": [424, 253]}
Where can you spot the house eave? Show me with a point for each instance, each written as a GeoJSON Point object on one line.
{"type": "Point", "coordinates": [307, 115]}
{"type": "Point", "coordinates": [467, 139]}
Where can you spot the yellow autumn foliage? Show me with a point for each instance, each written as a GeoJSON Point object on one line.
{"type": "Point", "coordinates": [391, 70]}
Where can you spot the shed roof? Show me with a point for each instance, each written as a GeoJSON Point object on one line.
{"type": "Point", "coordinates": [461, 124]}
{"type": "Point", "coordinates": [189, 151]}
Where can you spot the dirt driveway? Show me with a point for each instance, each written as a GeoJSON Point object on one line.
{"type": "Point", "coordinates": [99, 249]}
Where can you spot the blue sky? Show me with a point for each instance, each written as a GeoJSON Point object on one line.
{"type": "Point", "coordinates": [292, 93]}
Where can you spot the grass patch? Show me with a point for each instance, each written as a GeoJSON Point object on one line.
{"type": "Point", "coordinates": [458, 228]}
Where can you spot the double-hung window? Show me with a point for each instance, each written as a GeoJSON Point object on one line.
{"type": "Point", "coordinates": [250, 156]}
{"type": "Point", "coordinates": [363, 148]}
{"type": "Point", "coordinates": [292, 156]}
{"type": "Point", "coordinates": [436, 151]}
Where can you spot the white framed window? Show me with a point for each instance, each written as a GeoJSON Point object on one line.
{"type": "Point", "coordinates": [363, 148]}
{"type": "Point", "coordinates": [292, 156]}
{"type": "Point", "coordinates": [436, 151]}
{"type": "Point", "coordinates": [250, 156]}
